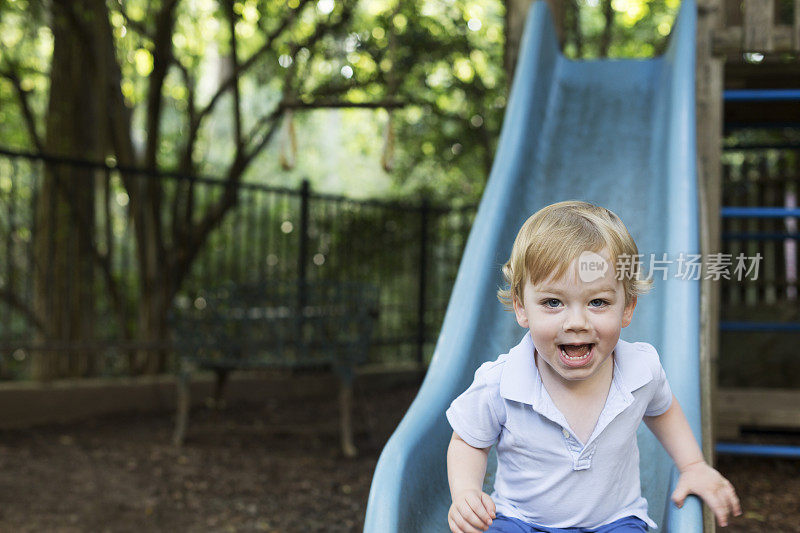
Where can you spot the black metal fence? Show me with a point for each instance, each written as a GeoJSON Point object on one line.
{"type": "Point", "coordinates": [95, 255]}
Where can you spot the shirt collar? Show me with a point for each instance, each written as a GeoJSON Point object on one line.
{"type": "Point", "coordinates": [520, 380]}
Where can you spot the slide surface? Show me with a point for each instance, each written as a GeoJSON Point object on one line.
{"type": "Point", "coordinates": [618, 133]}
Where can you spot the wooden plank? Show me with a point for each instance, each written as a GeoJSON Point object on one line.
{"type": "Point", "coordinates": [759, 17]}
{"type": "Point", "coordinates": [732, 39]}
{"type": "Point", "coordinates": [796, 26]}
{"type": "Point", "coordinates": [769, 74]}
{"type": "Point", "coordinates": [731, 13]}
{"type": "Point", "coordinates": [758, 408]}
{"type": "Point", "coordinates": [709, 75]}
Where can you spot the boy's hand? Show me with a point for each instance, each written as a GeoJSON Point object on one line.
{"type": "Point", "coordinates": [715, 490]}
{"type": "Point", "coordinates": [472, 511]}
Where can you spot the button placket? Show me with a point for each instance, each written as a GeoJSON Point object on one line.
{"type": "Point", "coordinates": [574, 449]}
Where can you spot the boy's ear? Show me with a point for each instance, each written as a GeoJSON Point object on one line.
{"type": "Point", "coordinates": [519, 311]}
{"type": "Point", "coordinates": [627, 314]}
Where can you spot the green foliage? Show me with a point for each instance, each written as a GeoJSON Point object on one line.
{"type": "Point", "coordinates": [26, 44]}
{"type": "Point", "coordinates": [442, 58]}
{"type": "Point", "coordinates": [421, 53]}
{"type": "Point", "coordinates": [639, 28]}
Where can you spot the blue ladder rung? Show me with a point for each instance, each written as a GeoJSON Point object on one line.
{"type": "Point", "coordinates": [761, 95]}
{"type": "Point", "coordinates": [758, 326]}
{"type": "Point", "coordinates": [760, 450]}
{"type": "Point", "coordinates": [759, 236]}
{"type": "Point", "coordinates": [759, 212]}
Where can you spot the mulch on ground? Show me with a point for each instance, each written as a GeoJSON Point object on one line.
{"type": "Point", "coordinates": [768, 487]}
{"type": "Point", "coordinates": [273, 467]}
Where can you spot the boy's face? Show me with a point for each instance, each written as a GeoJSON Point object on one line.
{"type": "Point", "coordinates": [574, 323]}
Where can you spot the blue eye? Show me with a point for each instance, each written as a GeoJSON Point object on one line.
{"type": "Point", "coordinates": [597, 302]}
{"type": "Point", "coordinates": [551, 302]}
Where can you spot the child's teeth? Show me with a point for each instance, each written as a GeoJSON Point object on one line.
{"type": "Point", "coordinates": [577, 357]}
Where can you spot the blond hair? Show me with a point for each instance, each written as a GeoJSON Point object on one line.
{"type": "Point", "coordinates": [555, 236]}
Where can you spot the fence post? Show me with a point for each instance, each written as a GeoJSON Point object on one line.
{"type": "Point", "coordinates": [302, 260]}
{"type": "Point", "coordinates": [423, 268]}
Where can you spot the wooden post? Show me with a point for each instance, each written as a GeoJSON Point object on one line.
{"type": "Point", "coordinates": [796, 26]}
{"type": "Point", "coordinates": [516, 14]}
{"type": "Point", "coordinates": [709, 153]}
{"type": "Point", "coordinates": [758, 22]}
{"type": "Point", "coordinates": [346, 418]}
{"type": "Point", "coordinates": [184, 403]}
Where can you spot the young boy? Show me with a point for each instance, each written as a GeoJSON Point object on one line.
{"type": "Point", "coordinates": [563, 406]}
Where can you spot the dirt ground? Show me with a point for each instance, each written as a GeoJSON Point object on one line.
{"type": "Point", "coordinates": [769, 488]}
{"type": "Point", "coordinates": [271, 467]}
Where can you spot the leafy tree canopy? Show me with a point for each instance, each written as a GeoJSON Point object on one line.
{"type": "Point", "coordinates": [433, 66]}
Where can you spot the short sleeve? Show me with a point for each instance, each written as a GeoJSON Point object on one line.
{"type": "Point", "coordinates": [662, 396]}
{"type": "Point", "coordinates": [473, 415]}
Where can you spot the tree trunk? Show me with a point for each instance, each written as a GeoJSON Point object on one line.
{"type": "Point", "coordinates": [153, 308]}
{"type": "Point", "coordinates": [605, 38]}
{"type": "Point", "coordinates": [516, 14]}
{"type": "Point", "coordinates": [573, 15]}
{"type": "Point", "coordinates": [64, 277]}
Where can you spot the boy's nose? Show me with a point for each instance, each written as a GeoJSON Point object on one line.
{"type": "Point", "coordinates": [575, 320]}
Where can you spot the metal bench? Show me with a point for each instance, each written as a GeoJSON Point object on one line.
{"type": "Point", "coordinates": [290, 325]}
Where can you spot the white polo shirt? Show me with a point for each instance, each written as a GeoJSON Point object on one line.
{"type": "Point", "coordinates": [545, 475]}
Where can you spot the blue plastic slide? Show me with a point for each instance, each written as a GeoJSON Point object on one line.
{"type": "Point", "coordinates": [618, 133]}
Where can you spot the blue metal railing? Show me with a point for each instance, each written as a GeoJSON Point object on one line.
{"type": "Point", "coordinates": [759, 326]}
{"type": "Point", "coordinates": [761, 95]}
{"type": "Point", "coordinates": [758, 450]}
{"type": "Point", "coordinates": [759, 212]}
{"type": "Point", "coordinates": [759, 236]}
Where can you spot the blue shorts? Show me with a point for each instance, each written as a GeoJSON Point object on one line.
{"type": "Point", "coordinates": [506, 524]}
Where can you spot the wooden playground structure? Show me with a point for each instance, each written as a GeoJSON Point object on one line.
{"type": "Point", "coordinates": [748, 76]}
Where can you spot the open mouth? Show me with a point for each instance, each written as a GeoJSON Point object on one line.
{"type": "Point", "coordinates": [576, 354]}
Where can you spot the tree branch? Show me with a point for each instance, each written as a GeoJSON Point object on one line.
{"type": "Point", "coordinates": [16, 303]}
{"type": "Point", "coordinates": [605, 40]}
{"type": "Point", "coordinates": [574, 11]}
{"type": "Point", "coordinates": [135, 24]}
{"type": "Point", "coordinates": [341, 104]}
{"type": "Point", "coordinates": [237, 97]}
{"type": "Point", "coordinates": [27, 112]}
{"type": "Point", "coordinates": [162, 58]}
{"type": "Point", "coordinates": [196, 237]}
{"type": "Point", "coordinates": [183, 200]}
{"type": "Point", "coordinates": [186, 166]}
{"type": "Point", "coordinates": [241, 68]}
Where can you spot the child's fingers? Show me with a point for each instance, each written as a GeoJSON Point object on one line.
{"type": "Point", "coordinates": [736, 505]}
{"type": "Point", "coordinates": [720, 506]}
{"type": "Point", "coordinates": [455, 529]}
{"type": "Point", "coordinates": [724, 503]}
{"type": "Point", "coordinates": [721, 512]}
{"type": "Point", "coordinates": [459, 523]}
{"type": "Point", "coordinates": [471, 518]}
{"type": "Point", "coordinates": [488, 504]}
{"type": "Point", "coordinates": [680, 493]}
{"type": "Point", "coordinates": [479, 512]}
